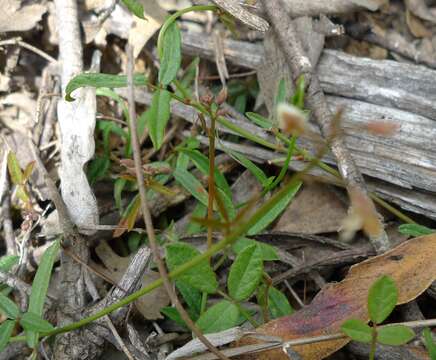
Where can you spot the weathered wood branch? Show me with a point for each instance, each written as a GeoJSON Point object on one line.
{"type": "Point", "coordinates": [405, 194]}
{"type": "Point", "coordinates": [370, 90]}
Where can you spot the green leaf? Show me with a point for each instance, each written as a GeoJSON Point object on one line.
{"type": "Point", "coordinates": [98, 80]}
{"type": "Point", "coordinates": [5, 333]}
{"type": "Point", "coordinates": [298, 97]}
{"type": "Point", "coordinates": [98, 168]}
{"type": "Point", "coordinates": [202, 163]}
{"type": "Point", "coordinates": [192, 298]}
{"type": "Point", "coordinates": [135, 7]}
{"type": "Point", "coordinates": [250, 166]}
{"type": "Point", "coordinates": [8, 307]}
{"type": "Point", "coordinates": [357, 330]}
{"type": "Point", "coordinates": [42, 278]}
{"type": "Point", "coordinates": [429, 343]}
{"type": "Point", "coordinates": [394, 335]}
{"type": "Point", "coordinates": [171, 54]}
{"type": "Point", "coordinates": [226, 202]}
{"type": "Point", "coordinates": [7, 261]}
{"type": "Point", "coordinates": [188, 77]}
{"type": "Point", "coordinates": [415, 230]}
{"type": "Point", "coordinates": [269, 253]}
{"type": "Point", "coordinates": [281, 92]}
{"type": "Point", "coordinates": [241, 103]}
{"type": "Point", "coordinates": [182, 161]}
{"type": "Point", "coordinates": [245, 273]}
{"type": "Point", "coordinates": [119, 185]}
{"type": "Point", "coordinates": [33, 323]}
{"type": "Point", "coordinates": [192, 185]}
{"type": "Point", "coordinates": [382, 298]}
{"type": "Point", "coordinates": [15, 169]}
{"type": "Point", "coordinates": [278, 304]}
{"type": "Point", "coordinates": [200, 211]}
{"type": "Point", "coordinates": [39, 289]}
{"type": "Point", "coordinates": [28, 170]}
{"type": "Point", "coordinates": [158, 115]}
{"type": "Point", "coordinates": [134, 241]}
{"type": "Point", "coordinates": [173, 314]}
{"type": "Point", "coordinates": [200, 276]}
{"type": "Point", "coordinates": [259, 120]}
{"type": "Point", "coordinates": [272, 214]}
{"type": "Point", "coordinates": [221, 316]}
{"type": "Point", "coordinates": [131, 212]}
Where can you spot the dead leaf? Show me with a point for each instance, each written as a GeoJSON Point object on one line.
{"type": "Point", "coordinates": [316, 209]}
{"type": "Point", "coordinates": [372, 5]}
{"type": "Point", "coordinates": [143, 30]}
{"type": "Point", "coordinates": [148, 305]}
{"type": "Point", "coordinates": [416, 27]}
{"type": "Point", "coordinates": [17, 16]}
{"type": "Point", "coordinates": [421, 10]}
{"type": "Point", "coordinates": [411, 265]}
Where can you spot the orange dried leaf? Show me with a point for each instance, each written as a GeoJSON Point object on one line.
{"type": "Point", "coordinates": [382, 128]}
{"type": "Point", "coordinates": [411, 265]}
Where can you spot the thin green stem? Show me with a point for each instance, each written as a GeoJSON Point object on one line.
{"type": "Point", "coordinates": [246, 134]}
{"type": "Point", "coordinates": [175, 16]}
{"type": "Point", "coordinates": [229, 239]}
{"type": "Point", "coordinates": [284, 168]}
{"type": "Point", "coordinates": [391, 209]}
{"type": "Point", "coordinates": [211, 179]}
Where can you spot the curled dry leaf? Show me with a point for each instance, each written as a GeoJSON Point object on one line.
{"type": "Point", "coordinates": [411, 265]}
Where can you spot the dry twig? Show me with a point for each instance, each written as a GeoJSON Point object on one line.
{"type": "Point", "coordinates": [300, 65]}
{"type": "Point", "coordinates": [146, 211]}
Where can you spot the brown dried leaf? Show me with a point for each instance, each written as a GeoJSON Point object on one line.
{"type": "Point", "coordinates": [315, 209]}
{"type": "Point", "coordinates": [372, 5]}
{"type": "Point", "coordinates": [19, 16]}
{"type": "Point", "coordinates": [148, 305]}
{"type": "Point", "coordinates": [416, 27]}
{"type": "Point", "coordinates": [411, 265]}
{"type": "Point", "coordinates": [421, 10]}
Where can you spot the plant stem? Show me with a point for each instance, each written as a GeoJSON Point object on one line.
{"type": "Point", "coordinates": [211, 179]}
{"type": "Point", "coordinates": [229, 239]}
{"type": "Point", "coordinates": [147, 215]}
{"type": "Point", "coordinates": [284, 168]}
{"type": "Point", "coordinates": [307, 156]}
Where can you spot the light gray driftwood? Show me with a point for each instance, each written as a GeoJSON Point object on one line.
{"type": "Point", "coordinates": [370, 90]}
{"type": "Point", "coordinates": [405, 196]}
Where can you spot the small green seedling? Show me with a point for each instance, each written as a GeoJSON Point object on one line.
{"type": "Point", "coordinates": [31, 321]}
{"type": "Point", "coordinates": [382, 298]}
{"type": "Point", "coordinates": [429, 343]}
{"type": "Point", "coordinates": [415, 230]}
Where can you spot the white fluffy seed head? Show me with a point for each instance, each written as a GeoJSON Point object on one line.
{"type": "Point", "coordinates": [291, 119]}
